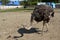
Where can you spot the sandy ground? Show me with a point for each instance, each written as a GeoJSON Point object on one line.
{"type": "Point", "coordinates": [11, 29]}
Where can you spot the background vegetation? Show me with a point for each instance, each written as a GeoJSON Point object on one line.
{"type": "Point", "coordinates": [30, 2]}
{"type": "Point", "coordinates": [4, 2]}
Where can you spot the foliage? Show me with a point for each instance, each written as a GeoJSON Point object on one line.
{"type": "Point", "coordinates": [49, 1]}
{"type": "Point", "coordinates": [4, 2]}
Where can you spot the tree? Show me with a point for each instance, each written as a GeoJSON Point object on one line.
{"type": "Point", "coordinates": [50, 1]}
{"type": "Point", "coordinates": [4, 2]}
{"type": "Point", "coordinates": [33, 2]}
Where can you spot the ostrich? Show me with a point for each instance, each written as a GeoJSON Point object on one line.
{"type": "Point", "coordinates": [41, 13]}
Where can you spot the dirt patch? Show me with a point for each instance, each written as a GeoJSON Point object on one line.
{"type": "Point", "coordinates": [10, 23]}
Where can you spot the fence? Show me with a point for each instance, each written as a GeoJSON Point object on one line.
{"type": "Point", "coordinates": [57, 5]}
{"type": "Point", "coordinates": [9, 7]}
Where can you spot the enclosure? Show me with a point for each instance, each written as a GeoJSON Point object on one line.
{"type": "Point", "coordinates": [10, 23]}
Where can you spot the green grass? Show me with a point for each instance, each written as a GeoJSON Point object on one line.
{"type": "Point", "coordinates": [15, 10]}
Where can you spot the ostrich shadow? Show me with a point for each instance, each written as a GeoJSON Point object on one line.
{"type": "Point", "coordinates": [23, 31]}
